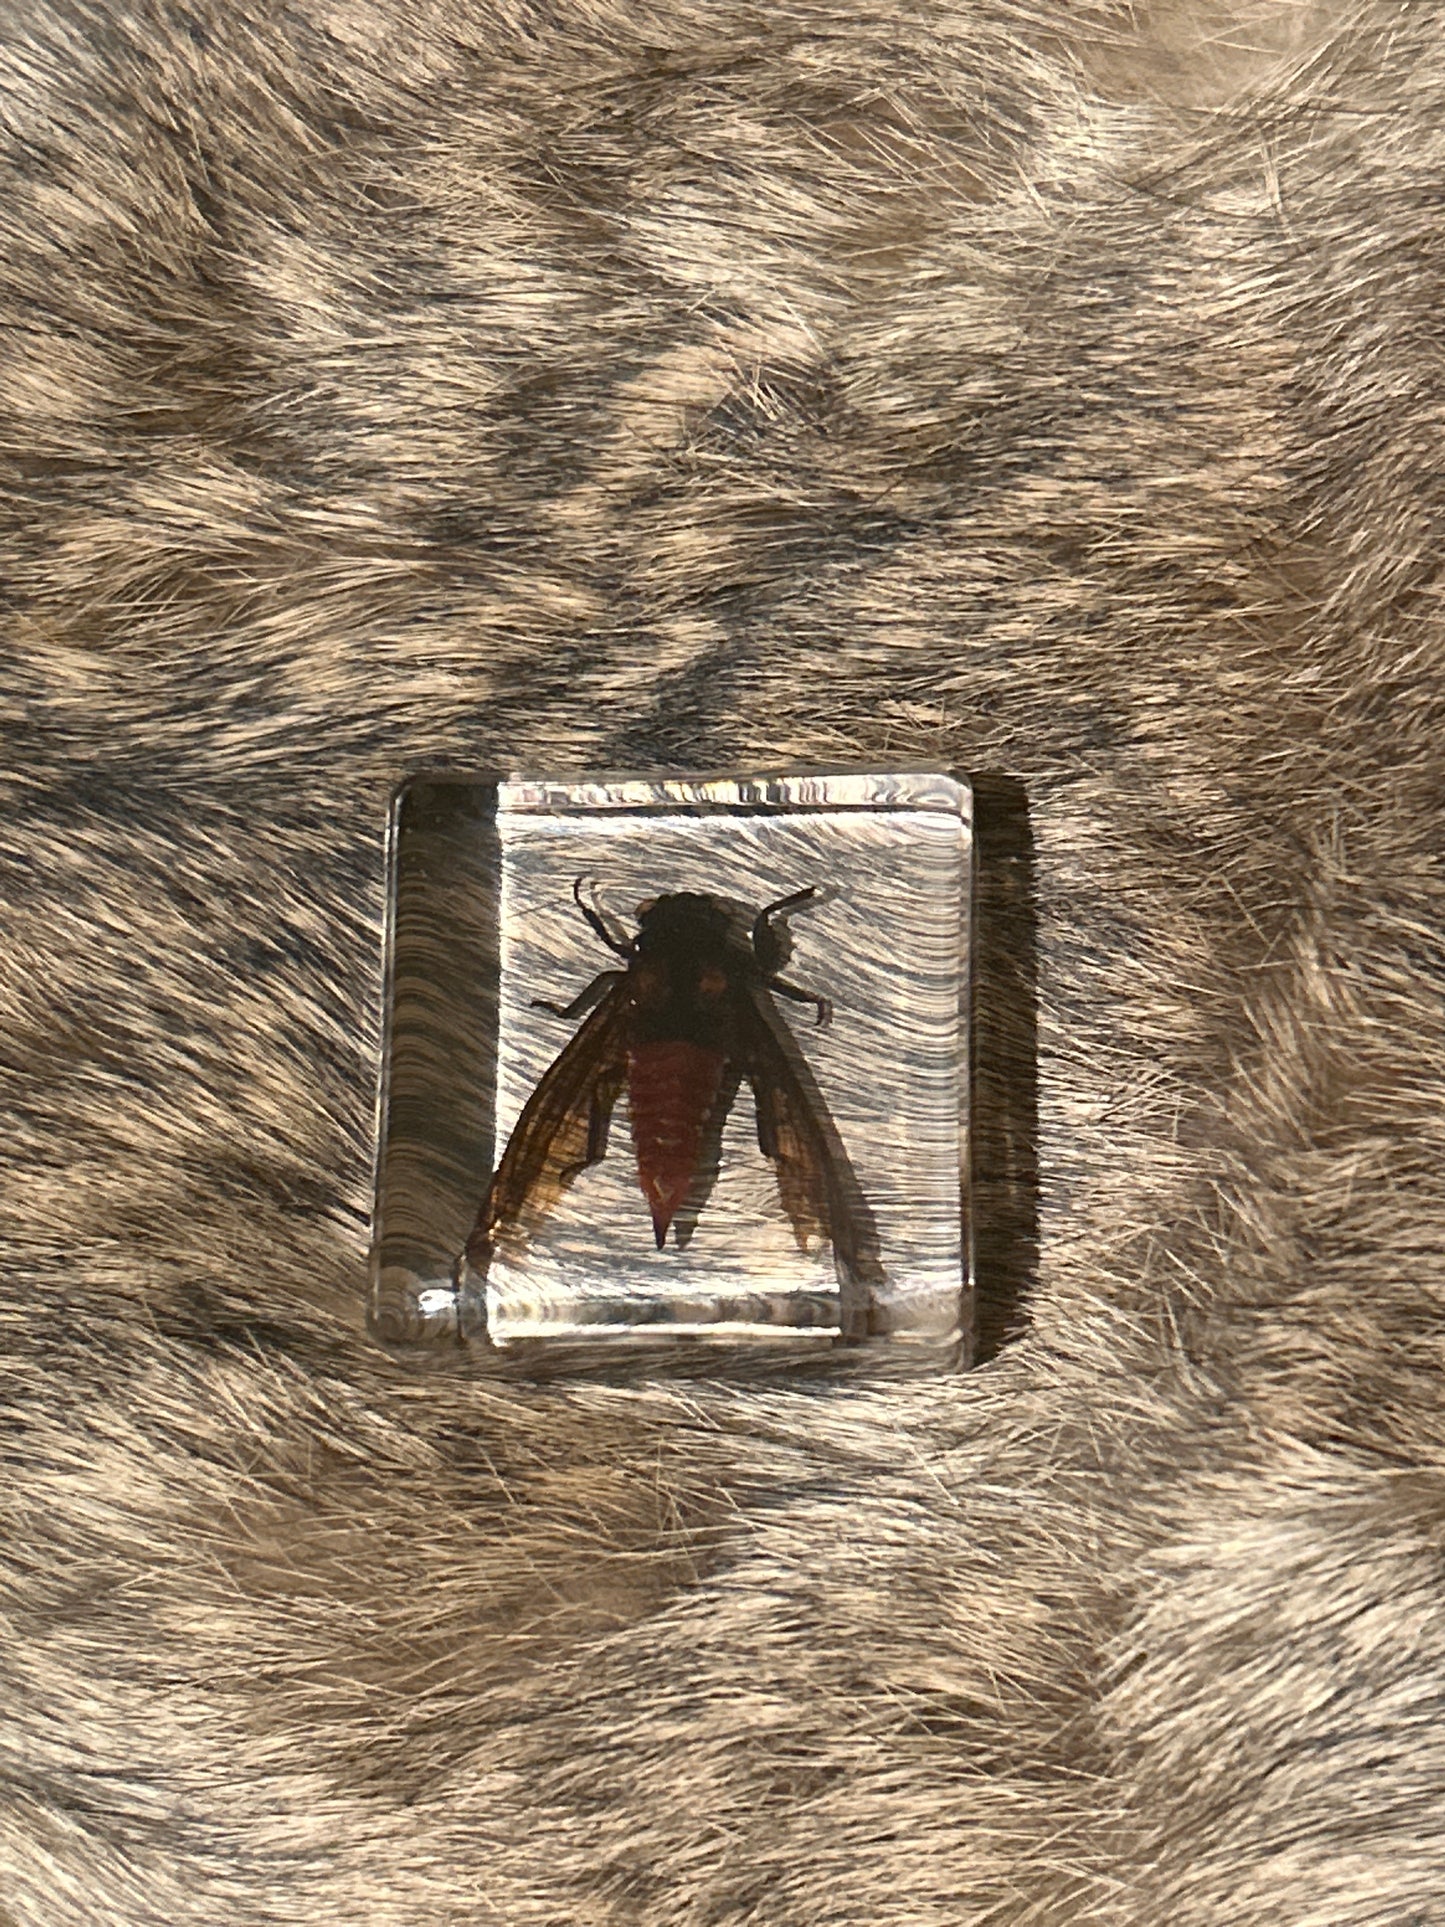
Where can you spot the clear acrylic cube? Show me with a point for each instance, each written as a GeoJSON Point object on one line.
{"type": "Point", "coordinates": [491, 886]}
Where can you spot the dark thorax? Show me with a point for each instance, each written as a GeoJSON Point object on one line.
{"type": "Point", "coordinates": [685, 973]}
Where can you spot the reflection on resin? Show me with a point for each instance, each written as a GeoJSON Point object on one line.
{"type": "Point", "coordinates": [826, 1201]}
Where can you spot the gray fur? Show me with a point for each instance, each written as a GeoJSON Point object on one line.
{"type": "Point", "coordinates": [1054, 389]}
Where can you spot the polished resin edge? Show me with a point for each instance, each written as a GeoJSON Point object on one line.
{"type": "Point", "coordinates": [821, 790]}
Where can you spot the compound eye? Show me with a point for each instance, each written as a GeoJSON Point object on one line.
{"type": "Point", "coordinates": [647, 984]}
{"type": "Point", "coordinates": [645, 909]}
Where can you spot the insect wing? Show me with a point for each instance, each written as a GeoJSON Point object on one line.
{"type": "Point", "coordinates": [562, 1128]}
{"type": "Point", "coordinates": [792, 1134]}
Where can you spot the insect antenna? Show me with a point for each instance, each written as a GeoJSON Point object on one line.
{"type": "Point", "coordinates": [596, 920]}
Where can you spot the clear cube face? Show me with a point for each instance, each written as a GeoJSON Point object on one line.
{"type": "Point", "coordinates": [814, 1170]}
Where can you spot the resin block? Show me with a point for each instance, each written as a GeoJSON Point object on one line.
{"type": "Point", "coordinates": [488, 880]}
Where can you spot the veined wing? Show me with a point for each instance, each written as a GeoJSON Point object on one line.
{"type": "Point", "coordinates": [792, 1133]}
{"type": "Point", "coordinates": [562, 1128]}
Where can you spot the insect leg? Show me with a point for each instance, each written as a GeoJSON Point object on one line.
{"type": "Point", "coordinates": [796, 996]}
{"type": "Point", "coordinates": [585, 999]}
{"type": "Point", "coordinates": [595, 919]}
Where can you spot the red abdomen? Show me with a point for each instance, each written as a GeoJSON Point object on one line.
{"type": "Point", "coordinates": [671, 1089]}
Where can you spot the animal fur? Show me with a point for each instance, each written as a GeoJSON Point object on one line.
{"type": "Point", "coordinates": [1054, 388]}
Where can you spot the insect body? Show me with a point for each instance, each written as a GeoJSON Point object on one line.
{"type": "Point", "coordinates": [687, 1017]}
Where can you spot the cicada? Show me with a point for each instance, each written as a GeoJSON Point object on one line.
{"type": "Point", "coordinates": [681, 1024]}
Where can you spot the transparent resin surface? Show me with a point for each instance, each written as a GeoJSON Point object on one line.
{"type": "Point", "coordinates": [485, 923]}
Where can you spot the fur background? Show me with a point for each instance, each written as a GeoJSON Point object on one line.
{"type": "Point", "coordinates": [1056, 388]}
